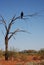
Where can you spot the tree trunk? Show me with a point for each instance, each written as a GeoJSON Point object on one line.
{"type": "Point", "coordinates": [6, 48]}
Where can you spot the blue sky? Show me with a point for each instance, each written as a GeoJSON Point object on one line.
{"type": "Point", "coordinates": [35, 24]}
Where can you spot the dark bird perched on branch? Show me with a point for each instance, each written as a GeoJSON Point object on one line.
{"type": "Point", "coordinates": [22, 15]}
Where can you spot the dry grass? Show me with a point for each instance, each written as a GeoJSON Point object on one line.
{"type": "Point", "coordinates": [16, 58]}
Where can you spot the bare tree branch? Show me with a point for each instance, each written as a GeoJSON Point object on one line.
{"type": "Point", "coordinates": [2, 33]}
{"type": "Point", "coordinates": [13, 37]}
{"type": "Point", "coordinates": [3, 22]}
{"type": "Point", "coordinates": [17, 30]}
{"type": "Point", "coordinates": [12, 22]}
{"type": "Point", "coordinates": [31, 15]}
{"type": "Point", "coordinates": [19, 17]}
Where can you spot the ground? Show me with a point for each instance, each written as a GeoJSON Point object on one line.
{"type": "Point", "coordinates": [29, 58]}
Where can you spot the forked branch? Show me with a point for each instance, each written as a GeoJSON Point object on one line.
{"type": "Point", "coordinates": [17, 30]}
{"type": "Point", "coordinates": [12, 22]}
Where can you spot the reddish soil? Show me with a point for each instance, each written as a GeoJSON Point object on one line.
{"type": "Point", "coordinates": [18, 61]}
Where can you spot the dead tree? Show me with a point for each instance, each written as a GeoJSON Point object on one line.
{"type": "Point", "coordinates": [7, 28]}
